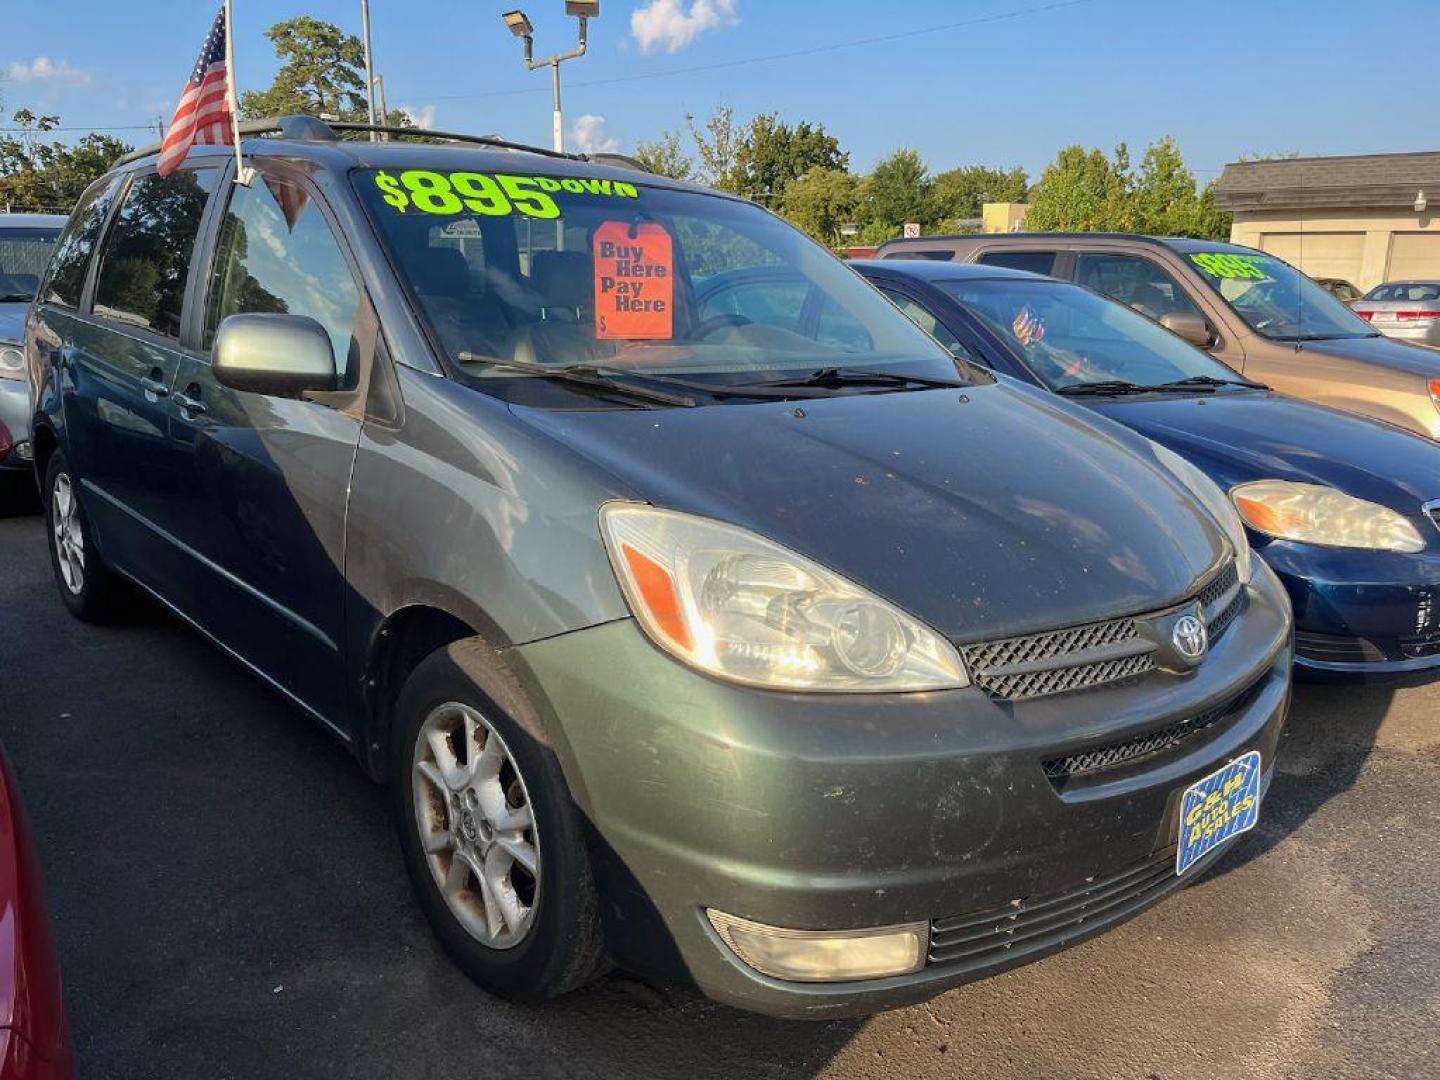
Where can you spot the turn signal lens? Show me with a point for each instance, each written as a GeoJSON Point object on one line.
{"type": "Point", "coordinates": [1314, 514]}
{"type": "Point", "coordinates": [1435, 392]}
{"type": "Point", "coordinates": [736, 605]}
{"type": "Point", "coordinates": [824, 955]}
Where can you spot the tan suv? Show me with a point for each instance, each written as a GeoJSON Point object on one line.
{"type": "Point", "coordinates": [1254, 312]}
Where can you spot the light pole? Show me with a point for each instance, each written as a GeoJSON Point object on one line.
{"type": "Point", "coordinates": [519, 25]}
{"type": "Point", "coordinates": [369, 63]}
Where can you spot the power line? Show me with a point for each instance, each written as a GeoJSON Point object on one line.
{"type": "Point", "coordinates": [999, 16]}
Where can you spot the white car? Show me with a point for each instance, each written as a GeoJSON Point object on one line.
{"type": "Point", "coordinates": [1409, 310]}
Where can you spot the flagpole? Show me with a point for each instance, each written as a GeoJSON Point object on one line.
{"type": "Point", "coordinates": [243, 174]}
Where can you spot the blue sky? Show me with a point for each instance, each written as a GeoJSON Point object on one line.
{"type": "Point", "coordinates": [1225, 77]}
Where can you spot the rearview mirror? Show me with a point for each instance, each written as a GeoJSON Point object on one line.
{"type": "Point", "coordinates": [1192, 328]}
{"type": "Point", "coordinates": [278, 355]}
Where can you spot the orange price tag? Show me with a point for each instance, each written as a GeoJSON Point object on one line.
{"type": "Point", "coordinates": [634, 281]}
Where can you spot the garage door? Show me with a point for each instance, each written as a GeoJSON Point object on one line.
{"type": "Point", "coordinates": [1414, 255]}
{"type": "Point", "coordinates": [1319, 254]}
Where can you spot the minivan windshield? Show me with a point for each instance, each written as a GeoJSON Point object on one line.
{"type": "Point", "coordinates": [577, 273]}
{"type": "Point", "coordinates": [1275, 299]}
{"type": "Point", "coordinates": [1070, 338]}
{"type": "Point", "coordinates": [24, 253]}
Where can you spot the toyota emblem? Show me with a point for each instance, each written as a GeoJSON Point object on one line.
{"type": "Point", "coordinates": [1190, 637]}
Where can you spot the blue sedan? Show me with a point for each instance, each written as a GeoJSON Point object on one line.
{"type": "Point", "coordinates": [1346, 510]}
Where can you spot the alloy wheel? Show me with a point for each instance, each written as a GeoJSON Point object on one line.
{"type": "Point", "coordinates": [476, 825]}
{"type": "Point", "coordinates": [69, 538]}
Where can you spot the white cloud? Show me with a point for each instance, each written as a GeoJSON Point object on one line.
{"type": "Point", "coordinates": [43, 69]}
{"type": "Point", "coordinates": [670, 25]}
{"type": "Point", "coordinates": [422, 116]}
{"type": "Point", "coordinates": [589, 136]}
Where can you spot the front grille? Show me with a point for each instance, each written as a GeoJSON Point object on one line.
{"type": "Point", "coordinates": [1061, 770]}
{"type": "Point", "coordinates": [1097, 654]}
{"type": "Point", "coordinates": [1433, 509]}
{"type": "Point", "coordinates": [1335, 649]}
{"type": "Point", "coordinates": [989, 937]}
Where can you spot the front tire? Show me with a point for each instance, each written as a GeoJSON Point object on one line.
{"type": "Point", "coordinates": [86, 585]}
{"type": "Point", "coordinates": [491, 840]}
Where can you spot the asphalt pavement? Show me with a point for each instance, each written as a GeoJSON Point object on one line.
{"type": "Point", "coordinates": [229, 902]}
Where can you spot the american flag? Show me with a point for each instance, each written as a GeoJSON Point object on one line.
{"type": "Point", "coordinates": [203, 115]}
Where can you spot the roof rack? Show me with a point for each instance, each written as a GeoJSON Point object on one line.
{"type": "Point", "coordinates": [298, 128]}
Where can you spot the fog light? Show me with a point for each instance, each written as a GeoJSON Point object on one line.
{"type": "Point", "coordinates": [24, 451]}
{"type": "Point", "coordinates": [824, 955]}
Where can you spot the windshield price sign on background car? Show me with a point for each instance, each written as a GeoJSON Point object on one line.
{"type": "Point", "coordinates": [496, 194]}
{"type": "Point", "coordinates": [634, 281]}
{"type": "Point", "coordinates": [1224, 265]}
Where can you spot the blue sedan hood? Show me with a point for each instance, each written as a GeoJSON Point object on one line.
{"type": "Point", "coordinates": [988, 512]}
{"type": "Point", "coordinates": [1235, 436]}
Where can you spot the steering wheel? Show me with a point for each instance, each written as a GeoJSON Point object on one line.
{"type": "Point", "coordinates": [718, 322]}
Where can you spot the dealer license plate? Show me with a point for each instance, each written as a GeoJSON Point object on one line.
{"type": "Point", "coordinates": [1223, 805]}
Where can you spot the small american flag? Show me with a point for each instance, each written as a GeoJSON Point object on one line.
{"type": "Point", "coordinates": [203, 115]}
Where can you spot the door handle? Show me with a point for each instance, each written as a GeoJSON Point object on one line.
{"type": "Point", "coordinates": [154, 386]}
{"type": "Point", "coordinates": [190, 404]}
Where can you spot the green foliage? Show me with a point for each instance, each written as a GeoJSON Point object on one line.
{"type": "Point", "coordinates": [897, 191]}
{"type": "Point", "coordinates": [1084, 191]}
{"type": "Point", "coordinates": [40, 174]}
{"type": "Point", "coordinates": [322, 71]}
{"type": "Point", "coordinates": [822, 200]}
{"type": "Point", "coordinates": [771, 154]}
{"type": "Point", "coordinates": [717, 144]}
{"type": "Point", "coordinates": [960, 194]}
{"type": "Point", "coordinates": [666, 157]}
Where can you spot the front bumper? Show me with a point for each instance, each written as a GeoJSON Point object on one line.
{"type": "Point", "coordinates": [1360, 613]}
{"type": "Point", "coordinates": [15, 415]}
{"type": "Point", "coordinates": [848, 812]}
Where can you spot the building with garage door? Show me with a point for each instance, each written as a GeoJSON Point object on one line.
{"type": "Point", "coordinates": [1366, 219]}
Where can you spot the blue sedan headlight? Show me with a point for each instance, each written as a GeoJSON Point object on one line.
{"type": "Point", "coordinates": [1314, 514]}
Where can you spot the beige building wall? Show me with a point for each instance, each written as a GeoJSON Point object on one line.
{"type": "Point", "coordinates": [1004, 217]}
{"type": "Point", "coordinates": [1365, 247]}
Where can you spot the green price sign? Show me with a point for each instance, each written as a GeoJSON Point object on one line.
{"type": "Point", "coordinates": [1231, 267]}
{"type": "Point", "coordinates": [496, 194]}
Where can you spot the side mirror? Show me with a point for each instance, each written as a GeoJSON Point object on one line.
{"type": "Point", "coordinates": [1192, 328]}
{"type": "Point", "coordinates": [277, 355]}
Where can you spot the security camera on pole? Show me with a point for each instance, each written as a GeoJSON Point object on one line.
{"type": "Point", "coordinates": [519, 25]}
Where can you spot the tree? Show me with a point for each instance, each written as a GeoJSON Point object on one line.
{"type": "Point", "coordinates": [821, 201]}
{"type": "Point", "coordinates": [772, 153]}
{"type": "Point", "coordinates": [666, 157]}
{"type": "Point", "coordinates": [718, 145]}
{"type": "Point", "coordinates": [1083, 191]}
{"type": "Point", "coordinates": [37, 173]}
{"type": "Point", "coordinates": [322, 73]}
{"type": "Point", "coordinates": [898, 191]}
{"type": "Point", "coordinates": [960, 194]}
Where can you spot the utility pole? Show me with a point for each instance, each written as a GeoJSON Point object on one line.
{"type": "Point", "coordinates": [369, 63]}
{"type": "Point", "coordinates": [519, 25]}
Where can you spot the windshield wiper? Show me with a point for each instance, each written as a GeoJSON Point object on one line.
{"type": "Point", "coordinates": [1104, 386]}
{"type": "Point", "coordinates": [1200, 382]}
{"type": "Point", "coordinates": [839, 378]}
{"type": "Point", "coordinates": [16, 298]}
{"type": "Point", "coordinates": [613, 380]}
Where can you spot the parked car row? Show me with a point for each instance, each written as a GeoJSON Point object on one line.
{"type": "Point", "coordinates": [703, 613]}
{"type": "Point", "coordinates": [26, 241]}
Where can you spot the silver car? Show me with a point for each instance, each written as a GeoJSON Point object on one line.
{"type": "Point", "coordinates": [1408, 310]}
{"type": "Point", "coordinates": [26, 241]}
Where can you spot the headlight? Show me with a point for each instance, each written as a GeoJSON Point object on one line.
{"type": "Point", "coordinates": [1213, 499]}
{"type": "Point", "coordinates": [738, 606]}
{"type": "Point", "coordinates": [1314, 514]}
{"type": "Point", "coordinates": [12, 361]}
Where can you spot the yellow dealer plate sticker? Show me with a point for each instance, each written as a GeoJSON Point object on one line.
{"type": "Point", "coordinates": [1231, 267]}
{"type": "Point", "coordinates": [495, 194]}
{"type": "Point", "coordinates": [1218, 808]}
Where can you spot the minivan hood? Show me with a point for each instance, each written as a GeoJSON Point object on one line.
{"type": "Point", "coordinates": [1380, 350]}
{"type": "Point", "coordinates": [989, 512]}
{"type": "Point", "coordinates": [1239, 436]}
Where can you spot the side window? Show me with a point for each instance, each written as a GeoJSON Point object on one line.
{"type": "Point", "coordinates": [1037, 262]}
{"type": "Point", "coordinates": [277, 254]}
{"type": "Point", "coordinates": [922, 317]}
{"type": "Point", "coordinates": [146, 260]}
{"type": "Point", "coordinates": [1135, 281]}
{"type": "Point", "coordinates": [926, 254]}
{"type": "Point", "coordinates": [837, 327]}
{"type": "Point", "coordinates": [77, 243]}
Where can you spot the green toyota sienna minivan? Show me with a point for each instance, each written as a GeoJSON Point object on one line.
{"type": "Point", "coordinates": [702, 615]}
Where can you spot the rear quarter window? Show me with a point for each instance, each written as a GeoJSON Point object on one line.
{"type": "Point", "coordinates": [1037, 262]}
{"type": "Point", "coordinates": [66, 276]}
